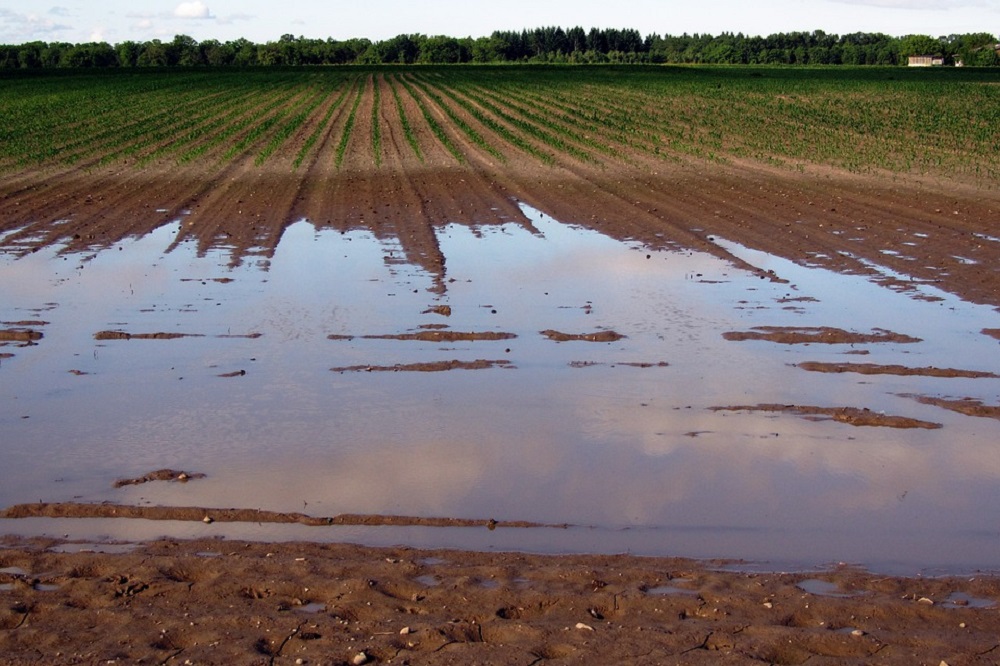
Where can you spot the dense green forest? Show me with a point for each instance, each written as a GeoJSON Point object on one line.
{"type": "Point", "coordinates": [541, 45]}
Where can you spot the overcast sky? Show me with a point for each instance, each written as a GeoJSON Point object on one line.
{"type": "Point", "coordinates": [265, 20]}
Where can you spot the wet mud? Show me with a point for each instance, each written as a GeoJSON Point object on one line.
{"type": "Point", "coordinates": [440, 336]}
{"type": "Point", "coordinates": [239, 604]}
{"type": "Point", "coordinates": [967, 406]}
{"type": "Point", "coordinates": [210, 515]}
{"type": "Point", "coordinates": [159, 475]}
{"type": "Point", "coordinates": [431, 366]}
{"type": "Point", "coordinates": [855, 416]}
{"type": "Point", "coordinates": [212, 601]}
{"type": "Point", "coordinates": [817, 335]}
{"type": "Point", "coordinates": [598, 336]}
{"type": "Point", "coordinates": [20, 335]}
{"type": "Point", "coordinates": [161, 335]}
{"type": "Point", "coordinates": [899, 370]}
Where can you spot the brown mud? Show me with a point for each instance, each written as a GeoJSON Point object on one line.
{"type": "Point", "coordinates": [227, 602]}
{"type": "Point", "coordinates": [20, 335]}
{"type": "Point", "coordinates": [429, 366]}
{"type": "Point", "coordinates": [159, 475]}
{"type": "Point", "coordinates": [901, 370]}
{"type": "Point", "coordinates": [599, 336]}
{"type": "Point", "coordinates": [967, 406]}
{"type": "Point", "coordinates": [107, 510]}
{"type": "Point", "coordinates": [817, 335]}
{"type": "Point", "coordinates": [442, 336]}
{"type": "Point", "coordinates": [813, 215]}
{"type": "Point", "coordinates": [855, 416]}
{"type": "Point", "coordinates": [123, 335]}
{"type": "Point", "coordinates": [639, 364]}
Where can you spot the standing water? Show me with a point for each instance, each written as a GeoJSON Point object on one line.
{"type": "Point", "coordinates": [598, 391]}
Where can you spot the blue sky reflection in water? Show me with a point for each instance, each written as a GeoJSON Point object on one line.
{"type": "Point", "coordinates": [598, 435]}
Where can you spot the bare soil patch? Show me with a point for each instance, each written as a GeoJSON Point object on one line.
{"type": "Point", "coordinates": [160, 335]}
{"type": "Point", "coordinates": [902, 370]}
{"type": "Point", "coordinates": [444, 336]}
{"type": "Point", "coordinates": [211, 515]}
{"type": "Point", "coordinates": [638, 364]}
{"type": "Point", "coordinates": [430, 366]}
{"type": "Point", "coordinates": [817, 335]}
{"type": "Point", "coordinates": [232, 602]}
{"type": "Point", "coordinates": [226, 602]}
{"type": "Point", "coordinates": [159, 475]}
{"type": "Point", "coordinates": [598, 336]}
{"type": "Point", "coordinates": [20, 335]}
{"type": "Point", "coordinates": [855, 416]}
{"type": "Point", "coordinates": [967, 406]}
{"type": "Point", "coordinates": [122, 335]}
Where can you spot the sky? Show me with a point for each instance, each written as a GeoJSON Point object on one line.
{"type": "Point", "coordinates": [260, 21]}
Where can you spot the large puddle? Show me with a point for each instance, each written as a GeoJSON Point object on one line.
{"type": "Point", "coordinates": [301, 385]}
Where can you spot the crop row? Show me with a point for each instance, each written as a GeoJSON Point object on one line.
{"type": "Point", "coordinates": [860, 120]}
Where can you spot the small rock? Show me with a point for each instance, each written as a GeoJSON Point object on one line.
{"type": "Point", "coordinates": [925, 600]}
{"type": "Point", "coordinates": [404, 631]}
{"type": "Point", "coordinates": [584, 627]}
{"type": "Point", "coordinates": [207, 520]}
{"type": "Point", "coordinates": [360, 658]}
{"type": "Point", "coordinates": [857, 632]}
{"type": "Point", "coordinates": [768, 604]}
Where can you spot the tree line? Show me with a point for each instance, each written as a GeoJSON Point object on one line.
{"type": "Point", "coordinates": [540, 45]}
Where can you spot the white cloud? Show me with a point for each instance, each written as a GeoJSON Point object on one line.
{"type": "Point", "coordinates": [193, 10]}
{"type": "Point", "coordinates": [235, 18]}
{"type": "Point", "coordinates": [18, 27]}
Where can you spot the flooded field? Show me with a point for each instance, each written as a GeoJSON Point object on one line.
{"type": "Point", "coordinates": [625, 399]}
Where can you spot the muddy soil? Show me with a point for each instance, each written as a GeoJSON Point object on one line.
{"type": "Point", "coordinates": [855, 416]}
{"type": "Point", "coordinates": [430, 366]}
{"type": "Point", "coordinates": [223, 602]}
{"type": "Point", "coordinates": [967, 406]}
{"type": "Point", "coordinates": [817, 335]}
{"type": "Point", "coordinates": [893, 369]}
